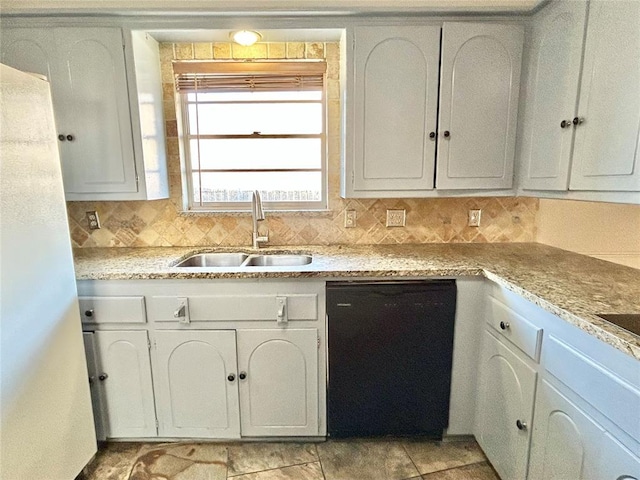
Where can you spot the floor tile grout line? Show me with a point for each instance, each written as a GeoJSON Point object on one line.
{"type": "Point", "coordinates": [320, 461]}
{"type": "Point", "coordinates": [458, 466]}
{"type": "Point", "coordinates": [275, 468]}
{"type": "Point", "coordinates": [410, 458]}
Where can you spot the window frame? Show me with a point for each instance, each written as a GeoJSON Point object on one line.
{"type": "Point", "coordinates": [193, 205]}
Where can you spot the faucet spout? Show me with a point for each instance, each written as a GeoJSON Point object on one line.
{"type": "Point", "coordinates": [257, 215]}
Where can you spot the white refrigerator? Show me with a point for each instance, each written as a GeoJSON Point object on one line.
{"type": "Point", "coordinates": [46, 429]}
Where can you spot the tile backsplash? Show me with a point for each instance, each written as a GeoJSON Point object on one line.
{"type": "Point", "coordinates": [163, 223]}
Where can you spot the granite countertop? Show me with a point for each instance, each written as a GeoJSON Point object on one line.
{"type": "Point", "coordinates": [574, 287]}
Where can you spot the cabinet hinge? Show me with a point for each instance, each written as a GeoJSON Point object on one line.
{"type": "Point", "coordinates": [137, 180]}
{"type": "Point", "coordinates": [318, 343]}
{"type": "Point", "coordinates": [353, 178]}
{"type": "Point", "coordinates": [353, 42]}
{"type": "Point", "coordinates": [149, 344]}
{"type": "Point", "coordinates": [157, 425]}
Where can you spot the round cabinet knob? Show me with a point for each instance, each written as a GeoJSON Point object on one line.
{"type": "Point", "coordinates": [242, 375]}
{"type": "Point", "coordinates": [70, 138]}
{"type": "Point", "coordinates": [521, 425]}
{"type": "Point", "coordinates": [447, 134]}
{"type": "Point", "coordinates": [504, 325]}
{"type": "Point", "coordinates": [231, 377]}
{"type": "Point", "coordinates": [88, 313]}
{"type": "Point", "coordinates": [565, 123]}
{"type": "Point", "coordinates": [578, 121]}
{"type": "Point", "coordinates": [62, 138]}
{"type": "Point", "coordinates": [102, 377]}
{"type": "Point", "coordinates": [432, 135]}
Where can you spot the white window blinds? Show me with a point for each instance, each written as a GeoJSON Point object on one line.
{"type": "Point", "coordinates": [220, 76]}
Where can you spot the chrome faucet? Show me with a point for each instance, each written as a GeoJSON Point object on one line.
{"type": "Point", "coordinates": [257, 215]}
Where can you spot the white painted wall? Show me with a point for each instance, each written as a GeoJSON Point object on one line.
{"type": "Point", "coordinates": [603, 230]}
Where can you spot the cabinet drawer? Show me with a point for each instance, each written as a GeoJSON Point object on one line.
{"type": "Point", "coordinates": [606, 392]}
{"type": "Point", "coordinates": [112, 309]}
{"type": "Point", "coordinates": [221, 308]}
{"type": "Point", "coordinates": [519, 331]}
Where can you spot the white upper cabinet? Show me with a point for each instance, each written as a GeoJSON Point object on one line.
{"type": "Point", "coordinates": [479, 87]}
{"type": "Point", "coordinates": [390, 87]}
{"type": "Point", "coordinates": [581, 133]}
{"type": "Point", "coordinates": [101, 157]}
{"type": "Point", "coordinates": [607, 143]}
{"type": "Point", "coordinates": [552, 95]}
{"type": "Point", "coordinates": [396, 101]}
{"type": "Point", "coordinates": [94, 116]}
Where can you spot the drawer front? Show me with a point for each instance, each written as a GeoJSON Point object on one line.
{"type": "Point", "coordinates": [518, 330]}
{"type": "Point", "coordinates": [221, 308]}
{"type": "Point", "coordinates": [96, 310]}
{"type": "Point", "coordinates": [606, 392]}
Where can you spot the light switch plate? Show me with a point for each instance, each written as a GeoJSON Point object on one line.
{"type": "Point", "coordinates": [396, 218]}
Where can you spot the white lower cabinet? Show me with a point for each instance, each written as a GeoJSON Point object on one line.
{"type": "Point", "coordinates": [278, 382]}
{"type": "Point", "coordinates": [616, 461]}
{"type": "Point", "coordinates": [195, 377]}
{"type": "Point", "coordinates": [568, 444]}
{"type": "Point", "coordinates": [96, 396]}
{"type": "Point", "coordinates": [218, 359]}
{"type": "Point", "coordinates": [124, 383]}
{"type": "Point", "coordinates": [505, 408]}
{"type": "Point", "coordinates": [586, 402]}
{"type": "Point", "coordinates": [563, 439]}
{"type": "Point", "coordinates": [202, 392]}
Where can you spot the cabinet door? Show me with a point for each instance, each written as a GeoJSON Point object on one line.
{"type": "Point", "coordinates": [607, 144]}
{"type": "Point", "coordinates": [127, 390]}
{"type": "Point", "coordinates": [195, 397]}
{"type": "Point", "coordinates": [564, 440]}
{"type": "Point", "coordinates": [96, 397]}
{"type": "Point", "coordinates": [29, 49]}
{"type": "Point", "coordinates": [93, 107]}
{"type": "Point", "coordinates": [479, 87]}
{"type": "Point", "coordinates": [279, 395]}
{"type": "Point", "coordinates": [552, 95]}
{"type": "Point", "coordinates": [505, 396]}
{"type": "Point", "coordinates": [616, 461]}
{"type": "Point", "coordinates": [396, 88]}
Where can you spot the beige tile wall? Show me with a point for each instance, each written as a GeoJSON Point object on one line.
{"type": "Point", "coordinates": [162, 223]}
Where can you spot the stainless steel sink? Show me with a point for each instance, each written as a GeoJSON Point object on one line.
{"type": "Point", "coordinates": [214, 260]}
{"type": "Point", "coordinates": [277, 260]}
{"type": "Point", "coordinates": [241, 260]}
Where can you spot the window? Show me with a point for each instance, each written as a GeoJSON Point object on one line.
{"type": "Point", "coordinates": [253, 126]}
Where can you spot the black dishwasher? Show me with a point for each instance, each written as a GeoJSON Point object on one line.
{"type": "Point", "coordinates": [390, 353]}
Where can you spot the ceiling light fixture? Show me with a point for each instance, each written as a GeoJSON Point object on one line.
{"type": "Point", "coordinates": [245, 37]}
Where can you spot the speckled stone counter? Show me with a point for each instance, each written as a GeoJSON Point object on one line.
{"type": "Point", "coordinates": [574, 287]}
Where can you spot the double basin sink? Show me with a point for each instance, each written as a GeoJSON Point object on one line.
{"type": "Point", "coordinates": [241, 260]}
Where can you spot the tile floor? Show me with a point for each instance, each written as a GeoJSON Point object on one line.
{"type": "Point", "coordinates": [354, 459]}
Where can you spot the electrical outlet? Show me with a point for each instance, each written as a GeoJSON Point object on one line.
{"type": "Point", "coordinates": [396, 218]}
{"type": "Point", "coordinates": [350, 219]}
{"type": "Point", "coordinates": [93, 220]}
{"type": "Point", "coordinates": [474, 218]}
